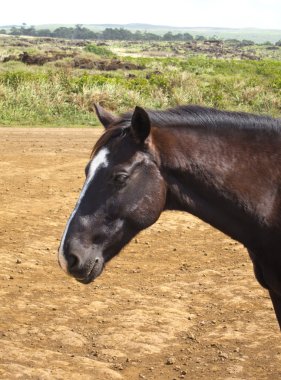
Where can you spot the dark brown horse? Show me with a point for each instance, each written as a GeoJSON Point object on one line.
{"type": "Point", "coordinates": [223, 167]}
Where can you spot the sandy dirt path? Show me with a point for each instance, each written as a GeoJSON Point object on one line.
{"type": "Point", "coordinates": [180, 302]}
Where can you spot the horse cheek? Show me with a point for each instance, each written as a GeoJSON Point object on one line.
{"type": "Point", "coordinates": [151, 206]}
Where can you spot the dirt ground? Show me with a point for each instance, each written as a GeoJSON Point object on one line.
{"type": "Point", "coordinates": [180, 302]}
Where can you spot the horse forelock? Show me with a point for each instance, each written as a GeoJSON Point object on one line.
{"type": "Point", "coordinates": [117, 130]}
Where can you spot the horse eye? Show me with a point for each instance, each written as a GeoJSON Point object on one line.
{"type": "Point", "coordinates": [120, 178]}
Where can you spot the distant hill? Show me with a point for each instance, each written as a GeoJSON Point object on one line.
{"type": "Point", "coordinates": [256, 35]}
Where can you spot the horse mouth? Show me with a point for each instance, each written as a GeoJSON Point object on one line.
{"type": "Point", "coordinates": [94, 273]}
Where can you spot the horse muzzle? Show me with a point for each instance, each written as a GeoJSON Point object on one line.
{"type": "Point", "coordinates": [94, 272]}
{"type": "Point", "coordinates": [83, 263]}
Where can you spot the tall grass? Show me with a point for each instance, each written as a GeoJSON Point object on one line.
{"type": "Point", "coordinates": [52, 96]}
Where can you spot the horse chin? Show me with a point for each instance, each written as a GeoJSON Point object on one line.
{"type": "Point", "coordinates": [95, 272]}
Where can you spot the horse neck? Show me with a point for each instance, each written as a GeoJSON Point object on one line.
{"type": "Point", "coordinates": [216, 175]}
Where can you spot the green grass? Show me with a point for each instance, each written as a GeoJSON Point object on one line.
{"type": "Point", "coordinates": [63, 96]}
{"type": "Point", "coordinates": [100, 51]}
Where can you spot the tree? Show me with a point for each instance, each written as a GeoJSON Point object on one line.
{"type": "Point", "coordinates": [200, 38]}
{"type": "Point", "coordinates": [168, 36]}
{"type": "Point", "coordinates": [81, 33]}
{"type": "Point", "coordinates": [246, 43]}
{"type": "Point", "coordinates": [30, 31]}
{"type": "Point", "coordinates": [151, 37]}
{"type": "Point", "coordinates": [63, 32]}
{"type": "Point", "coordinates": [15, 31]}
{"type": "Point", "coordinates": [187, 37]}
{"type": "Point", "coordinates": [44, 33]}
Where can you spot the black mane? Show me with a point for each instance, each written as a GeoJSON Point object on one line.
{"type": "Point", "coordinates": [192, 115]}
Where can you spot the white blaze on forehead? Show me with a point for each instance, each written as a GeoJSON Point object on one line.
{"type": "Point", "coordinates": [100, 160]}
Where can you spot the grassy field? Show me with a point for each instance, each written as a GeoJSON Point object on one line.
{"type": "Point", "coordinates": [58, 80]}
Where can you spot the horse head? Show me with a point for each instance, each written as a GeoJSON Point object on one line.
{"type": "Point", "coordinates": [124, 193]}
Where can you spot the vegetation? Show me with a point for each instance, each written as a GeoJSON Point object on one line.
{"type": "Point", "coordinates": [256, 35]}
{"type": "Point", "coordinates": [99, 50]}
{"type": "Point", "coordinates": [81, 33]}
{"type": "Point", "coordinates": [62, 91]}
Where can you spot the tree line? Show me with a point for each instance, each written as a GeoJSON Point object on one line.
{"type": "Point", "coordinates": [79, 32]}
{"type": "Point", "coordinates": [82, 33]}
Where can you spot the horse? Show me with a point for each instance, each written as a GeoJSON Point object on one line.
{"type": "Point", "coordinates": [223, 167]}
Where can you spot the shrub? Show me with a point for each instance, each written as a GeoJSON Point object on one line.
{"type": "Point", "coordinates": [101, 51]}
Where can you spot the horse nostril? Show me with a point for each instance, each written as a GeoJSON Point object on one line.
{"type": "Point", "coordinates": [73, 261]}
{"type": "Point", "coordinates": [97, 260]}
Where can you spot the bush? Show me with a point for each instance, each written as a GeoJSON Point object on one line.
{"type": "Point", "coordinates": [99, 50]}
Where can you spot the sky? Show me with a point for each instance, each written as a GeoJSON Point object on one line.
{"type": "Point", "coordinates": [186, 13]}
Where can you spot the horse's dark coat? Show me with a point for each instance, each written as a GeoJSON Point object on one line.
{"type": "Point", "coordinates": [223, 167]}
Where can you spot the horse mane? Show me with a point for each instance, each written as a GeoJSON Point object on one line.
{"type": "Point", "coordinates": [193, 116]}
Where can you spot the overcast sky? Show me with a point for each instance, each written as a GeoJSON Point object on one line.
{"type": "Point", "coordinates": [188, 13]}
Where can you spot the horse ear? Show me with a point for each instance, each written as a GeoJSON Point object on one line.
{"type": "Point", "coordinates": [105, 117]}
{"type": "Point", "coordinates": [140, 124]}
